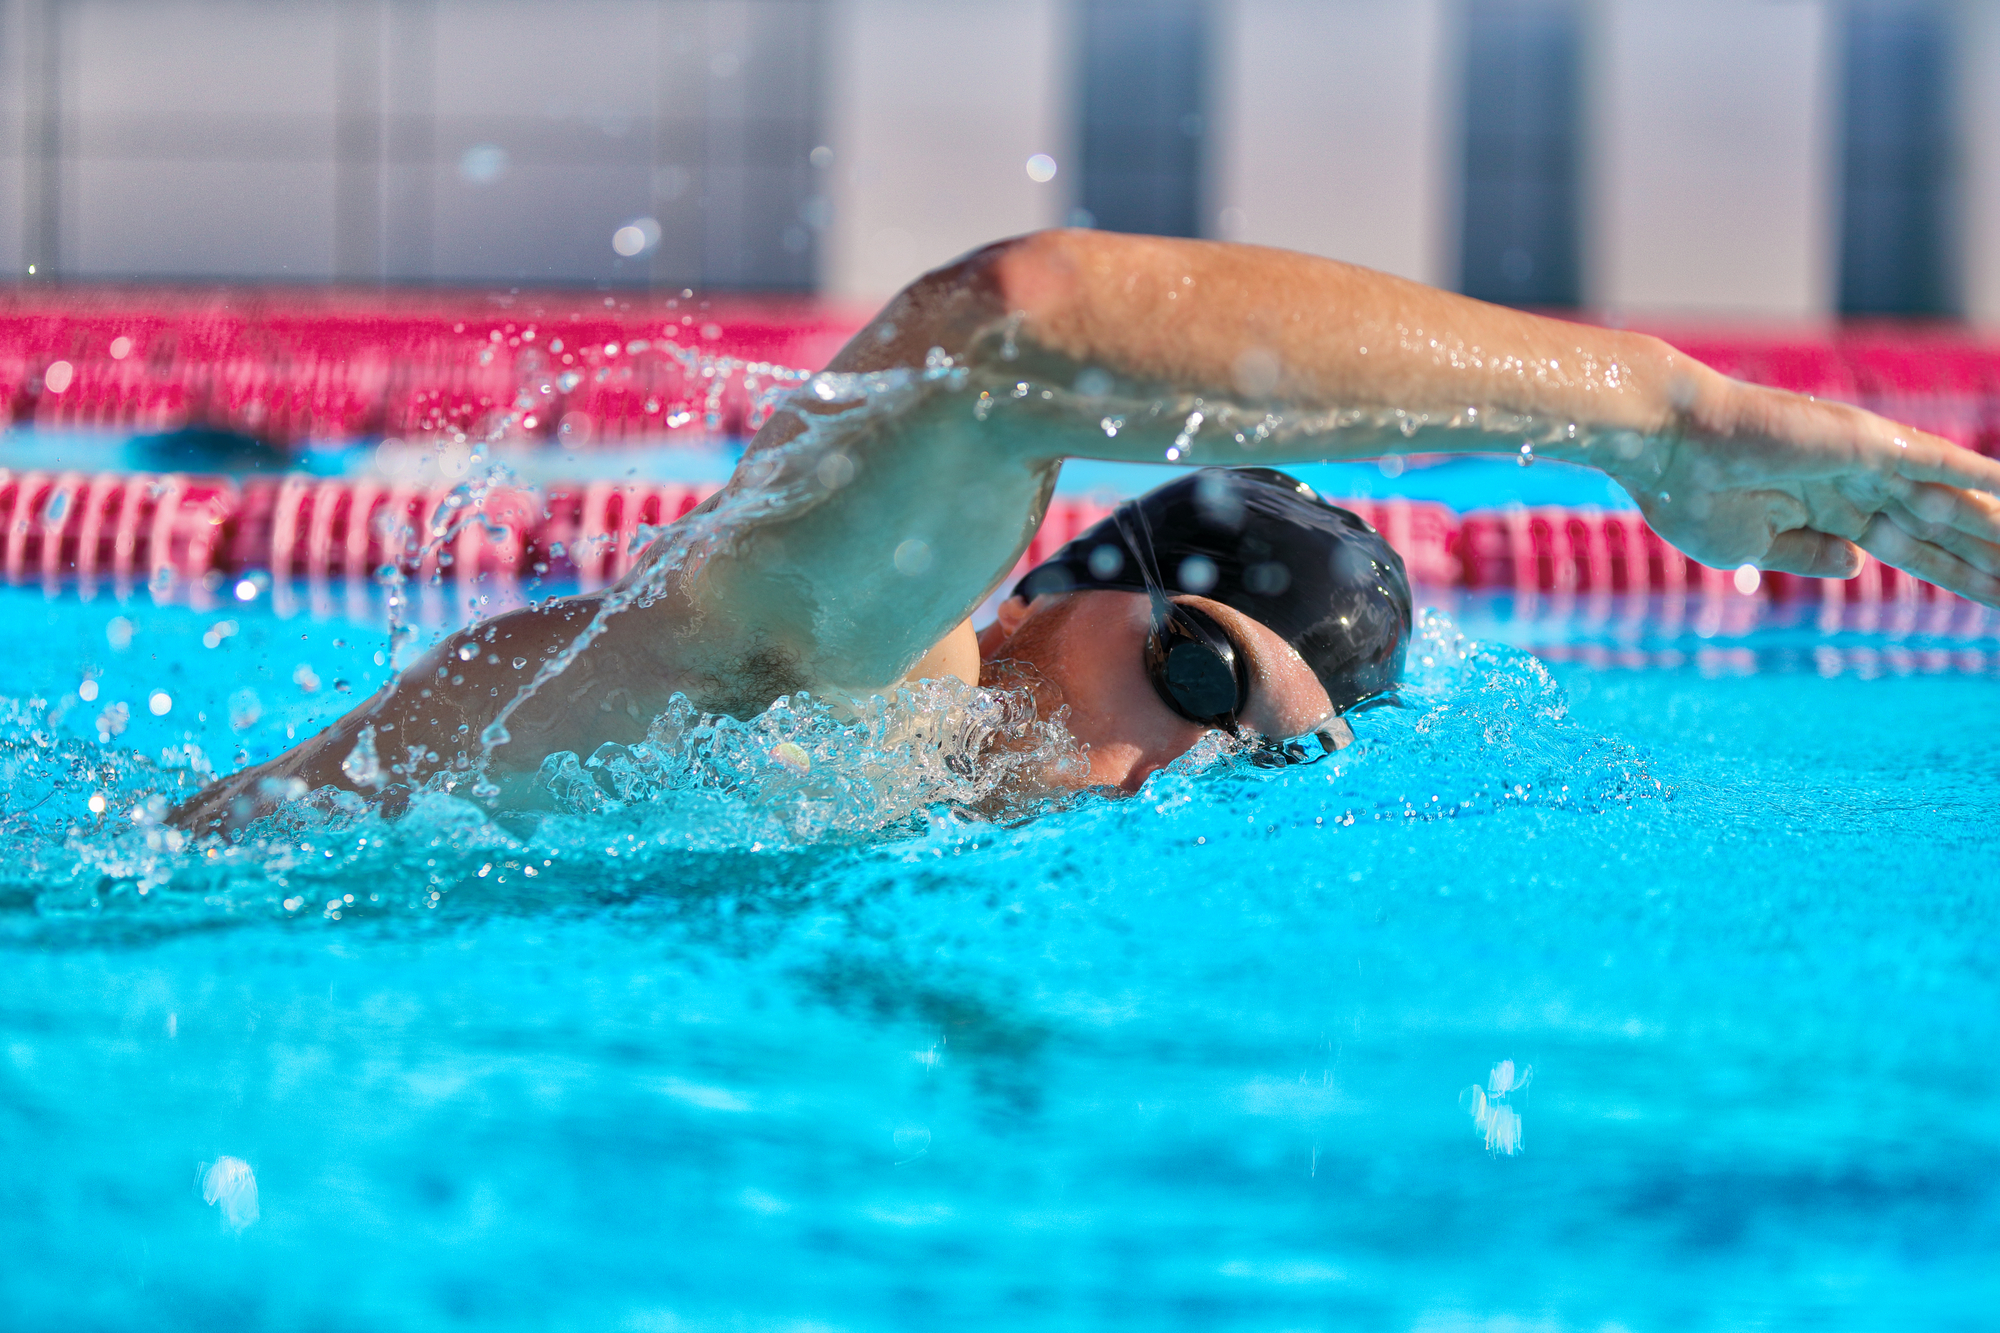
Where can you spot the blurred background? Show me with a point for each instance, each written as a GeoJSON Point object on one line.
{"type": "Point", "coordinates": [1774, 159]}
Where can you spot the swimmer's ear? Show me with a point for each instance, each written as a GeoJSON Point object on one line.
{"type": "Point", "coordinates": [1008, 617]}
{"type": "Point", "coordinates": [1010, 613]}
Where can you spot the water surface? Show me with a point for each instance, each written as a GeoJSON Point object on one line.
{"type": "Point", "coordinates": [1198, 1059]}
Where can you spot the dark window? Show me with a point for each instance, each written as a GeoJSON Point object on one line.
{"type": "Point", "coordinates": [1521, 91]}
{"type": "Point", "coordinates": [1143, 116]}
{"type": "Point", "coordinates": [1896, 234]}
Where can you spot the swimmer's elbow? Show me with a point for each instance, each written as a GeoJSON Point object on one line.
{"type": "Point", "coordinates": [1036, 276]}
{"type": "Point", "coordinates": [1025, 274]}
{"type": "Point", "coordinates": [1027, 279]}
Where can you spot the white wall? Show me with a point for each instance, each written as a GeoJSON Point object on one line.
{"type": "Point", "coordinates": [1978, 81]}
{"type": "Point", "coordinates": [314, 139]}
{"type": "Point", "coordinates": [198, 137]}
{"type": "Point", "coordinates": [567, 93]}
{"type": "Point", "coordinates": [934, 107]}
{"type": "Point", "coordinates": [1333, 131]}
{"type": "Point", "coordinates": [1712, 163]}
{"type": "Point", "coordinates": [318, 138]}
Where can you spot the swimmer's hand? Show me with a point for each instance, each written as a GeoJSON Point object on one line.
{"type": "Point", "coordinates": [1745, 474]}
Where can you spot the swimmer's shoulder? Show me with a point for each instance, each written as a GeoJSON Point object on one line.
{"type": "Point", "coordinates": [955, 655]}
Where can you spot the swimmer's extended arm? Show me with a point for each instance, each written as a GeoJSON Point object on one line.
{"type": "Point", "coordinates": [1730, 472]}
{"type": "Point", "coordinates": [907, 506]}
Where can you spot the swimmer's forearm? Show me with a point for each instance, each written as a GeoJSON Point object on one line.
{"type": "Point", "coordinates": [1348, 362]}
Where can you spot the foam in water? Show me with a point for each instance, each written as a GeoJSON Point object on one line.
{"type": "Point", "coordinates": [809, 772]}
{"type": "Point", "coordinates": [1484, 728]}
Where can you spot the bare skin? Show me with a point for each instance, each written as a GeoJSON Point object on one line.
{"type": "Point", "coordinates": [862, 528]}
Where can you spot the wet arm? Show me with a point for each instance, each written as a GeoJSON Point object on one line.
{"type": "Point", "coordinates": [914, 472]}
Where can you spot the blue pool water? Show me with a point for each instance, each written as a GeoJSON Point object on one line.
{"type": "Point", "coordinates": [1463, 483]}
{"type": "Point", "coordinates": [1201, 1059]}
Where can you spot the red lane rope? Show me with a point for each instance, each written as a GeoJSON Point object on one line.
{"type": "Point", "coordinates": [291, 365]}
{"type": "Point", "coordinates": [58, 527]}
{"type": "Point", "coordinates": [287, 366]}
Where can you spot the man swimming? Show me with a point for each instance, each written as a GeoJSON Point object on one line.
{"type": "Point", "coordinates": [884, 501]}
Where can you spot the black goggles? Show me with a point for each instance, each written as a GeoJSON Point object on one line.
{"type": "Point", "coordinates": [1199, 673]}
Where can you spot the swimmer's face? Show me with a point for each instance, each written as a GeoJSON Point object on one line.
{"type": "Point", "coordinates": [1089, 648]}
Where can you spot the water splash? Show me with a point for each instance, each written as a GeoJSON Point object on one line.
{"type": "Point", "coordinates": [777, 479]}
{"type": "Point", "coordinates": [1482, 728]}
{"type": "Point", "coordinates": [802, 772]}
{"type": "Point", "coordinates": [1494, 1116]}
{"type": "Point", "coordinates": [230, 1186]}
{"type": "Point", "coordinates": [933, 767]}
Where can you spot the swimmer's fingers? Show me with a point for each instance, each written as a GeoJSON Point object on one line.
{"type": "Point", "coordinates": [1888, 542]}
{"type": "Point", "coordinates": [1956, 537]}
{"type": "Point", "coordinates": [1816, 555]}
{"type": "Point", "coordinates": [1928, 508]}
{"type": "Point", "coordinates": [1927, 458]}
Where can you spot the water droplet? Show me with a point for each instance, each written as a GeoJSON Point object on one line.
{"type": "Point", "coordinates": [636, 237]}
{"type": "Point", "coordinates": [835, 470]}
{"type": "Point", "coordinates": [244, 709]}
{"type": "Point", "coordinates": [230, 1185]}
{"type": "Point", "coordinates": [1093, 383]}
{"type": "Point", "coordinates": [482, 164]}
{"type": "Point", "coordinates": [1197, 574]}
{"type": "Point", "coordinates": [362, 765]}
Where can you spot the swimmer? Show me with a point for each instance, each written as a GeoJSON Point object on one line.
{"type": "Point", "coordinates": [885, 501]}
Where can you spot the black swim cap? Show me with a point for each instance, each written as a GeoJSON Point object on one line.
{"type": "Point", "coordinates": [1264, 543]}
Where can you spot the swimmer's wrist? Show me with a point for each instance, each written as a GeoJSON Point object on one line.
{"type": "Point", "coordinates": [1666, 394]}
